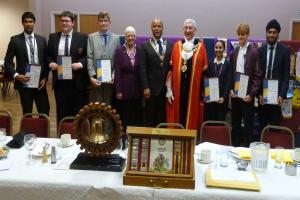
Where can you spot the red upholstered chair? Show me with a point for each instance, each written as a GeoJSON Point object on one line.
{"type": "Point", "coordinates": [66, 126]}
{"type": "Point", "coordinates": [278, 136]}
{"type": "Point", "coordinates": [6, 121]}
{"type": "Point", "coordinates": [36, 123]}
{"type": "Point", "coordinates": [218, 132]}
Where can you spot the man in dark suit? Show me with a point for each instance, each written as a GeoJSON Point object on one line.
{"type": "Point", "coordinates": [70, 94]}
{"type": "Point", "coordinates": [275, 64]}
{"type": "Point", "coordinates": [155, 59]}
{"type": "Point", "coordinates": [29, 49]}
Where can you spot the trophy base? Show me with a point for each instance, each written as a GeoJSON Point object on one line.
{"type": "Point", "coordinates": [110, 162]}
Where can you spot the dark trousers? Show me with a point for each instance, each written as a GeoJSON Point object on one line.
{"type": "Point", "coordinates": [215, 111]}
{"type": "Point", "coordinates": [269, 115]}
{"type": "Point", "coordinates": [130, 112]}
{"type": "Point", "coordinates": [155, 110]}
{"type": "Point", "coordinates": [242, 121]}
{"type": "Point", "coordinates": [30, 95]}
{"type": "Point", "coordinates": [69, 100]}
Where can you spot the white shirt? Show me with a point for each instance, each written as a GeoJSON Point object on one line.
{"type": "Point", "coordinates": [267, 63]}
{"type": "Point", "coordinates": [34, 44]}
{"type": "Point", "coordinates": [241, 59]}
{"type": "Point", "coordinates": [61, 46]}
{"type": "Point", "coordinates": [219, 61]}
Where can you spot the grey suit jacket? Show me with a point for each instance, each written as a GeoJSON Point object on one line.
{"type": "Point", "coordinates": [97, 50]}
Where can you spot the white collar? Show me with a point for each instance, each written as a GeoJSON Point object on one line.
{"type": "Point", "coordinates": [272, 46]}
{"type": "Point", "coordinates": [245, 47]}
{"type": "Point", "coordinates": [219, 62]}
{"type": "Point", "coordinates": [191, 40]}
{"type": "Point", "coordinates": [69, 34]}
{"type": "Point", "coordinates": [27, 35]}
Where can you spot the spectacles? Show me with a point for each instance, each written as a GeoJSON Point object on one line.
{"type": "Point", "coordinates": [65, 21]}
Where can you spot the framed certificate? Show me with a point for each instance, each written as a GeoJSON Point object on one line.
{"type": "Point", "coordinates": [211, 91]}
{"type": "Point", "coordinates": [104, 70]}
{"type": "Point", "coordinates": [64, 69]}
{"type": "Point", "coordinates": [34, 72]}
{"type": "Point", "coordinates": [241, 85]}
{"type": "Point", "coordinates": [270, 91]}
{"type": "Point", "coordinates": [297, 68]}
{"type": "Point", "coordinates": [161, 155]}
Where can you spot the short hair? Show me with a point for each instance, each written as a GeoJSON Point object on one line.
{"type": "Point", "coordinates": [157, 19]}
{"type": "Point", "coordinates": [222, 42]}
{"type": "Point", "coordinates": [68, 14]}
{"type": "Point", "coordinates": [243, 28]}
{"type": "Point", "coordinates": [129, 29]}
{"type": "Point", "coordinates": [103, 14]}
{"type": "Point", "coordinates": [28, 15]}
{"type": "Point", "coordinates": [190, 21]}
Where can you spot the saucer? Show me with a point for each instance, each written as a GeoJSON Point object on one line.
{"type": "Point", "coordinates": [204, 161]}
{"type": "Point", "coordinates": [59, 144]}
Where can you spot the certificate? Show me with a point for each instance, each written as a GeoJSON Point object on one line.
{"type": "Point", "coordinates": [270, 91]}
{"type": "Point", "coordinates": [34, 72]}
{"type": "Point", "coordinates": [64, 69]}
{"type": "Point", "coordinates": [103, 70]}
{"type": "Point", "coordinates": [298, 67]}
{"type": "Point", "coordinates": [241, 85]}
{"type": "Point", "coordinates": [161, 155]}
{"type": "Point", "coordinates": [211, 91]}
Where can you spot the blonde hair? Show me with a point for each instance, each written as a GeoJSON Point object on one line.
{"type": "Point", "coordinates": [243, 28]}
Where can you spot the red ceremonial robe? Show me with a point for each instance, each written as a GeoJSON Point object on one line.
{"type": "Point", "coordinates": [193, 116]}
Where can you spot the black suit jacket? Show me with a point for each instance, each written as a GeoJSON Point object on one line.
{"type": "Point", "coordinates": [17, 47]}
{"type": "Point", "coordinates": [77, 52]}
{"type": "Point", "coordinates": [281, 67]}
{"type": "Point", "coordinates": [153, 76]}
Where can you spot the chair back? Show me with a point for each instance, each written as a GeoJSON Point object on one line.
{"type": "Point", "coordinates": [278, 136]}
{"type": "Point", "coordinates": [6, 121]}
{"type": "Point", "coordinates": [36, 123]}
{"type": "Point", "coordinates": [66, 126]}
{"type": "Point", "coordinates": [218, 132]}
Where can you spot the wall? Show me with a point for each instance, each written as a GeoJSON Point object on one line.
{"type": "Point", "coordinates": [214, 17]}
{"type": "Point", "coordinates": [10, 20]}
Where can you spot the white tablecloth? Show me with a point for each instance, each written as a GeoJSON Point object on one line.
{"type": "Point", "coordinates": [43, 181]}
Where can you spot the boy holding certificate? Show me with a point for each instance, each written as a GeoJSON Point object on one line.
{"type": "Point", "coordinates": [245, 85]}
{"type": "Point", "coordinates": [275, 66]}
{"type": "Point", "coordinates": [221, 70]}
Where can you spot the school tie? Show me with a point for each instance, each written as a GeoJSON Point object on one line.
{"type": "Point", "coordinates": [160, 47]}
{"type": "Point", "coordinates": [67, 45]}
{"type": "Point", "coordinates": [105, 38]}
{"type": "Point", "coordinates": [31, 50]}
{"type": "Point", "coordinates": [270, 62]}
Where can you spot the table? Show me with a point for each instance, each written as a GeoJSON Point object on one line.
{"type": "Point", "coordinates": [43, 181]}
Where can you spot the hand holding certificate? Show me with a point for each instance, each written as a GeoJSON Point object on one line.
{"type": "Point", "coordinates": [104, 71]}
{"type": "Point", "coordinates": [270, 92]}
{"type": "Point", "coordinates": [64, 68]}
{"type": "Point", "coordinates": [241, 85]}
{"type": "Point", "coordinates": [211, 89]}
{"type": "Point", "coordinates": [34, 72]}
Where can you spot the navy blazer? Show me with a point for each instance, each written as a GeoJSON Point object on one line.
{"type": "Point", "coordinates": [78, 51]}
{"type": "Point", "coordinates": [224, 77]}
{"type": "Point", "coordinates": [17, 47]}
{"type": "Point", "coordinates": [281, 67]}
{"type": "Point", "coordinates": [127, 79]}
{"type": "Point", "coordinates": [153, 75]}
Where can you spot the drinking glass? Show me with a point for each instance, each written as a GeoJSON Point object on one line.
{"type": "Point", "coordinates": [278, 157]}
{"type": "Point", "coordinates": [29, 142]}
{"type": "Point", "coordinates": [2, 137]}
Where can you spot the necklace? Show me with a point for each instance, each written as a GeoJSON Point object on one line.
{"type": "Point", "coordinates": [164, 45]}
{"type": "Point", "coordinates": [131, 54]}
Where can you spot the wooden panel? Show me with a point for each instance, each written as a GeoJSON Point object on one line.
{"type": "Point", "coordinates": [296, 31]}
{"type": "Point", "coordinates": [89, 23]}
{"type": "Point", "coordinates": [58, 25]}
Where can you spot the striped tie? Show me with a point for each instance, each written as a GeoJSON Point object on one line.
{"type": "Point", "coordinates": [67, 45]}
{"type": "Point", "coordinates": [31, 50]}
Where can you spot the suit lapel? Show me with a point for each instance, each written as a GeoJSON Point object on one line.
{"type": "Point", "coordinates": [99, 41]}
{"type": "Point", "coordinates": [73, 42]}
{"type": "Point", "coordinates": [277, 54]}
{"type": "Point", "coordinates": [23, 41]}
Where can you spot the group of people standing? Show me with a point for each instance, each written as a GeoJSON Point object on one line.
{"type": "Point", "coordinates": [166, 77]}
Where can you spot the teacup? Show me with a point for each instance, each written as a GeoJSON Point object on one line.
{"type": "Point", "coordinates": [65, 139]}
{"type": "Point", "coordinates": [205, 156]}
{"type": "Point", "coordinates": [297, 154]}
